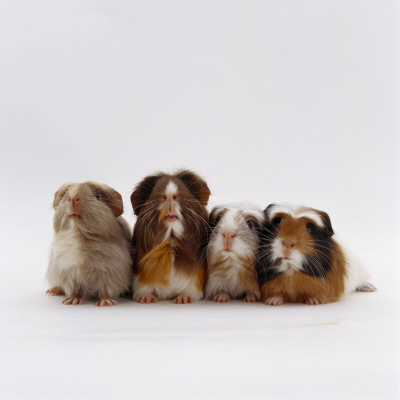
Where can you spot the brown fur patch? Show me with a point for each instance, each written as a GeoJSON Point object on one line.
{"type": "Point", "coordinates": [199, 277]}
{"type": "Point", "coordinates": [248, 277]}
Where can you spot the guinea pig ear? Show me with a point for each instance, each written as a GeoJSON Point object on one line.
{"type": "Point", "coordinates": [327, 222]}
{"type": "Point", "coordinates": [58, 196]}
{"type": "Point", "coordinates": [115, 201]}
{"type": "Point", "coordinates": [215, 216]}
{"type": "Point", "coordinates": [109, 196]}
{"type": "Point", "coordinates": [195, 185]}
{"type": "Point", "coordinates": [267, 211]}
{"type": "Point", "coordinates": [142, 192]}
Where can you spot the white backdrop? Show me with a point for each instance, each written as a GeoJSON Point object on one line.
{"type": "Point", "coordinates": [268, 100]}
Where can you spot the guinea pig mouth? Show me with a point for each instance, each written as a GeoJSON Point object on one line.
{"type": "Point", "coordinates": [171, 217]}
{"type": "Point", "coordinates": [74, 216]}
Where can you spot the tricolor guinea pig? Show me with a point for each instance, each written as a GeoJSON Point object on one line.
{"type": "Point", "coordinates": [300, 261]}
{"type": "Point", "coordinates": [231, 253]}
{"type": "Point", "coordinates": [90, 255]}
{"type": "Point", "coordinates": [169, 237]}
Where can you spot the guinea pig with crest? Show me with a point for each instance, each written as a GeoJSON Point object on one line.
{"type": "Point", "coordinates": [169, 237]}
{"type": "Point", "coordinates": [300, 261]}
{"type": "Point", "coordinates": [90, 255]}
{"type": "Point", "coordinates": [231, 253]}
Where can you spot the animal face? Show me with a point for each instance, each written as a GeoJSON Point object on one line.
{"type": "Point", "coordinates": [297, 238]}
{"type": "Point", "coordinates": [234, 233]}
{"type": "Point", "coordinates": [171, 204]}
{"type": "Point", "coordinates": [86, 204]}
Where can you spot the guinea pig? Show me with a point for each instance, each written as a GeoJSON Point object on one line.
{"type": "Point", "coordinates": [231, 253]}
{"type": "Point", "coordinates": [169, 237]}
{"type": "Point", "coordinates": [300, 261]}
{"type": "Point", "coordinates": [90, 255]}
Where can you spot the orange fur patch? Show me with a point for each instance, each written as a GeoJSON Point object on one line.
{"type": "Point", "coordinates": [155, 266]}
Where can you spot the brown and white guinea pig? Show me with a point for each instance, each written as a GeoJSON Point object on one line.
{"type": "Point", "coordinates": [90, 255]}
{"type": "Point", "coordinates": [300, 261]}
{"type": "Point", "coordinates": [169, 237]}
{"type": "Point", "coordinates": [231, 253]}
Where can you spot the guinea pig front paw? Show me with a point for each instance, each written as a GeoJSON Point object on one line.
{"type": "Point", "coordinates": [313, 301]}
{"type": "Point", "coordinates": [222, 298]}
{"type": "Point", "coordinates": [55, 291]}
{"type": "Point", "coordinates": [73, 301]}
{"type": "Point", "coordinates": [146, 299]}
{"type": "Point", "coordinates": [106, 303]}
{"type": "Point", "coordinates": [274, 301]}
{"type": "Point", "coordinates": [182, 299]}
{"type": "Point", "coordinates": [250, 298]}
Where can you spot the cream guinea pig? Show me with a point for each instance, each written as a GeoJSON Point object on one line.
{"type": "Point", "coordinates": [231, 253]}
{"type": "Point", "coordinates": [300, 260]}
{"type": "Point", "coordinates": [90, 255]}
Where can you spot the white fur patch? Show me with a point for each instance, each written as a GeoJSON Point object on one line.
{"type": "Point", "coordinates": [179, 283]}
{"type": "Point", "coordinates": [65, 258]}
{"type": "Point", "coordinates": [73, 189]}
{"type": "Point", "coordinates": [355, 272]}
{"type": "Point", "coordinates": [295, 212]}
{"type": "Point", "coordinates": [287, 266]}
{"type": "Point", "coordinates": [171, 189]}
{"type": "Point", "coordinates": [176, 227]}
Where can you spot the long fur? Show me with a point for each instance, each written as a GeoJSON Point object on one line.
{"type": "Point", "coordinates": [232, 274]}
{"type": "Point", "coordinates": [90, 256]}
{"type": "Point", "coordinates": [318, 270]}
{"type": "Point", "coordinates": [169, 257]}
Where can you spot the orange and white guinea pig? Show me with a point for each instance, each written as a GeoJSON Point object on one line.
{"type": "Point", "coordinates": [300, 261]}
{"type": "Point", "coordinates": [231, 253]}
{"type": "Point", "coordinates": [169, 237]}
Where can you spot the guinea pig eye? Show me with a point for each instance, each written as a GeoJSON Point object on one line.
{"type": "Point", "coordinates": [310, 227]}
{"type": "Point", "coordinates": [96, 195]}
{"type": "Point", "coordinates": [276, 221]}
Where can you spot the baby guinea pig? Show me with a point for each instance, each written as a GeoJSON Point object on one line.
{"type": "Point", "coordinates": [90, 255]}
{"type": "Point", "coordinates": [300, 261]}
{"type": "Point", "coordinates": [231, 253]}
{"type": "Point", "coordinates": [169, 237]}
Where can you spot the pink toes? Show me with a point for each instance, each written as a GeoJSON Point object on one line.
{"type": "Point", "coordinates": [367, 287]}
{"type": "Point", "coordinates": [55, 291]}
{"type": "Point", "coordinates": [182, 299]}
{"type": "Point", "coordinates": [106, 303]}
{"type": "Point", "coordinates": [250, 298]}
{"type": "Point", "coordinates": [313, 301]}
{"type": "Point", "coordinates": [222, 298]}
{"type": "Point", "coordinates": [147, 299]}
{"type": "Point", "coordinates": [74, 301]}
{"type": "Point", "coordinates": [274, 301]}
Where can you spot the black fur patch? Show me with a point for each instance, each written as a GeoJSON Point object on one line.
{"type": "Point", "coordinates": [319, 264]}
{"type": "Point", "coordinates": [265, 267]}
